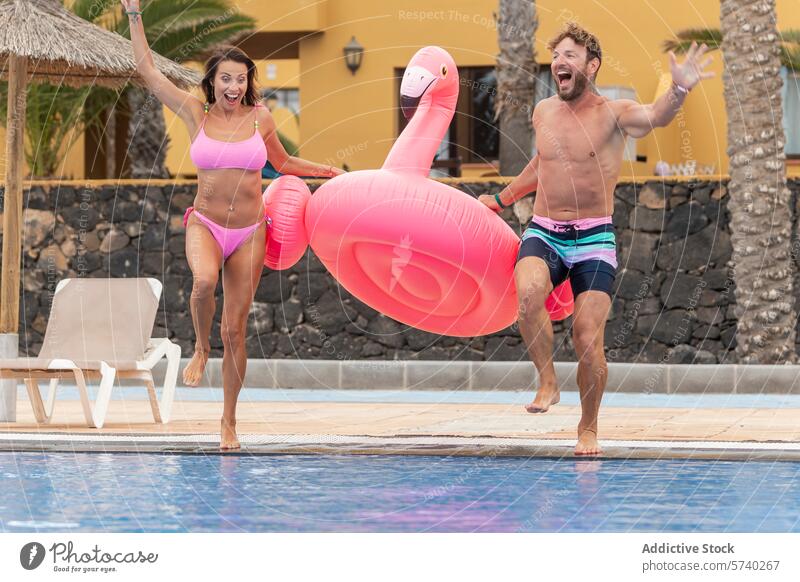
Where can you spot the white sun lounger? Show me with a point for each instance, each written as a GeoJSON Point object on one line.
{"type": "Point", "coordinates": [99, 328]}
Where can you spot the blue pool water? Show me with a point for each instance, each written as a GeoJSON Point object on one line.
{"type": "Point", "coordinates": [449, 397]}
{"type": "Point", "coordinates": [48, 492]}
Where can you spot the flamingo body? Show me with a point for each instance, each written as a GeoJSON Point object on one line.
{"type": "Point", "coordinates": [417, 250]}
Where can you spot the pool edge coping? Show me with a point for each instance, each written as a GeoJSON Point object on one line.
{"type": "Point", "coordinates": [658, 378]}
{"type": "Point", "coordinates": [422, 445]}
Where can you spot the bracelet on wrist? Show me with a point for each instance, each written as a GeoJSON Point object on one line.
{"type": "Point", "coordinates": [133, 12]}
{"type": "Point", "coordinates": [680, 89]}
{"type": "Point", "coordinates": [500, 202]}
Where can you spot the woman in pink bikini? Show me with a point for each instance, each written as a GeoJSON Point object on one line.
{"type": "Point", "coordinates": [225, 229]}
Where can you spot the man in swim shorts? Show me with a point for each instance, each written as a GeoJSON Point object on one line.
{"type": "Point", "coordinates": [580, 138]}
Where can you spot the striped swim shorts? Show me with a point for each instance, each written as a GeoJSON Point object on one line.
{"type": "Point", "coordinates": [584, 250]}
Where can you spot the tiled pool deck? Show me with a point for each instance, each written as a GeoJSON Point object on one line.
{"type": "Point", "coordinates": [416, 419]}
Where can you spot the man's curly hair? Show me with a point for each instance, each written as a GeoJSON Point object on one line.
{"type": "Point", "coordinates": [582, 37]}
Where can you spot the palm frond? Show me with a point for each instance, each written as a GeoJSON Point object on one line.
{"type": "Point", "coordinates": [790, 36]}
{"type": "Point", "coordinates": [197, 16]}
{"type": "Point", "coordinates": [790, 58]}
{"type": "Point", "coordinates": [160, 16]}
{"type": "Point", "coordinates": [100, 100]}
{"type": "Point", "coordinates": [91, 10]}
{"type": "Point", "coordinates": [790, 47]}
{"type": "Point", "coordinates": [291, 148]}
{"type": "Point", "coordinates": [711, 37]}
{"type": "Point", "coordinates": [187, 31]}
{"type": "Point", "coordinates": [190, 44]}
{"type": "Point", "coordinates": [53, 122]}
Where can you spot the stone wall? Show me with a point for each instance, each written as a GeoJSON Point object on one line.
{"type": "Point", "coordinates": [673, 302]}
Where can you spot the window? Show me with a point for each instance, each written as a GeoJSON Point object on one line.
{"type": "Point", "coordinates": [545, 87]}
{"type": "Point", "coordinates": [484, 135]}
{"type": "Point", "coordinates": [545, 84]}
{"type": "Point", "coordinates": [285, 98]}
{"type": "Point", "coordinates": [615, 92]}
{"type": "Point", "coordinates": [791, 111]}
{"type": "Point", "coordinates": [479, 85]}
{"type": "Point", "coordinates": [473, 136]}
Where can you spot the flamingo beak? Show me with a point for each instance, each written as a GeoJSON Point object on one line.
{"type": "Point", "coordinates": [416, 82]}
{"type": "Point", "coordinates": [408, 105]}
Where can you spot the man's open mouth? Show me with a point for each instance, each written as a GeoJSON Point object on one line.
{"type": "Point", "coordinates": [564, 77]}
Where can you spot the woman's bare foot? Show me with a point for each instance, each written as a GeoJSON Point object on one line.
{"type": "Point", "coordinates": [547, 396]}
{"type": "Point", "coordinates": [227, 435]}
{"type": "Point", "coordinates": [587, 443]}
{"type": "Point", "coordinates": [193, 372]}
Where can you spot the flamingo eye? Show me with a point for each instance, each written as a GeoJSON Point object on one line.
{"type": "Point", "coordinates": [444, 71]}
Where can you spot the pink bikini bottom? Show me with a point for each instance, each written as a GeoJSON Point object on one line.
{"type": "Point", "coordinates": [228, 239]}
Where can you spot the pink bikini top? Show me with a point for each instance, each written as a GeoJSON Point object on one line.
{"type": "Point", "coordinates": [214, 154]}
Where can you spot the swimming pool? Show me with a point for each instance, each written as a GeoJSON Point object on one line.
{"type": "Point", "coordinates": [48, 492]}
{"type": "Point", "coordinates": [570, 398]}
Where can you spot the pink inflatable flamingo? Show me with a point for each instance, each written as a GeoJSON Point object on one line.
{"type": "Point", "coordinates": [414, 249]}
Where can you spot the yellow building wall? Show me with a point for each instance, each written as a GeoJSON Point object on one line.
{"type": "Point", "coordinates": [286, 16]}
{"type": "Point", "coordinates": [286, 71]}
{"type": "Point", "coordinates": [71, 163]}
{"type": "Point", "coordinates": [351, 119]}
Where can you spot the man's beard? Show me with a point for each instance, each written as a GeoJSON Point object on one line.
{"type": "Point", "coordinates": [579, 86]}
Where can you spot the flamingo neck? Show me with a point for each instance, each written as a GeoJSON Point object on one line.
{"type": "Point", "coordinates": [414, 150]}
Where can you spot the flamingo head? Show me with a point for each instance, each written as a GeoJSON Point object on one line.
{"type": "Point", "coordinates": [431, 70]}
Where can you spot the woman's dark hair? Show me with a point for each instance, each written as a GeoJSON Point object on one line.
{"type": "Point", "coordinates": [230, 53]}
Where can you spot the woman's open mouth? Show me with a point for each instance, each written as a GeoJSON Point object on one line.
{"type": "Point", "coordinates": [231, 98]}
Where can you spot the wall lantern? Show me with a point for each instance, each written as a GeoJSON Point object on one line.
{"type": "Point", "coordinates": [353, 53]}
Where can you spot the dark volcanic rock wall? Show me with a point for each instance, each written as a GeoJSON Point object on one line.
{"type": "Point", "coordinates": [673, 300]}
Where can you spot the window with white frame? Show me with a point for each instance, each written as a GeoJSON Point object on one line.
{"type": "Point", "coordinates": [791, 111]}
{"type": "Point", "coordinates": [614, 92]}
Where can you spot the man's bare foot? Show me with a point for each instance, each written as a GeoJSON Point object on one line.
{"type": "Point", "coordinates": [193, 372]}
{"type": "Point", "coordinates": [587, 443]}
{"type": "Point", "coordinates": [227, 436]}
{"type": "Point", "coordinates": [546, 397]}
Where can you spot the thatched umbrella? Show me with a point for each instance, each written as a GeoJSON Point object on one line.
{"type": "Point", "coordinates": [41, 41]}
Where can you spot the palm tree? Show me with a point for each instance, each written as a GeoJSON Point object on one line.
{"type": "Point", "coordinates": [182, 30]}
{"type": "Point", "coordinates": [55, 117]}
{"type": "Point", "coordinates": [712, 37]}
{"type": "Point", "coordinates": [761, 228]}
{"type": "Point", "coordinates": [516, 66]}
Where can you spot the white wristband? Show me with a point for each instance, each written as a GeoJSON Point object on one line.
{"type": "Point", "coordinates": [683, 90]}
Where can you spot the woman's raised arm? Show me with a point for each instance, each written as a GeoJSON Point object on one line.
{"type": "Point", "coordinates": [187, 107]}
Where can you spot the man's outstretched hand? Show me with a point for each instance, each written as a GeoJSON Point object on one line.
{"type": "Point", "coordinates": [692, 70]}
